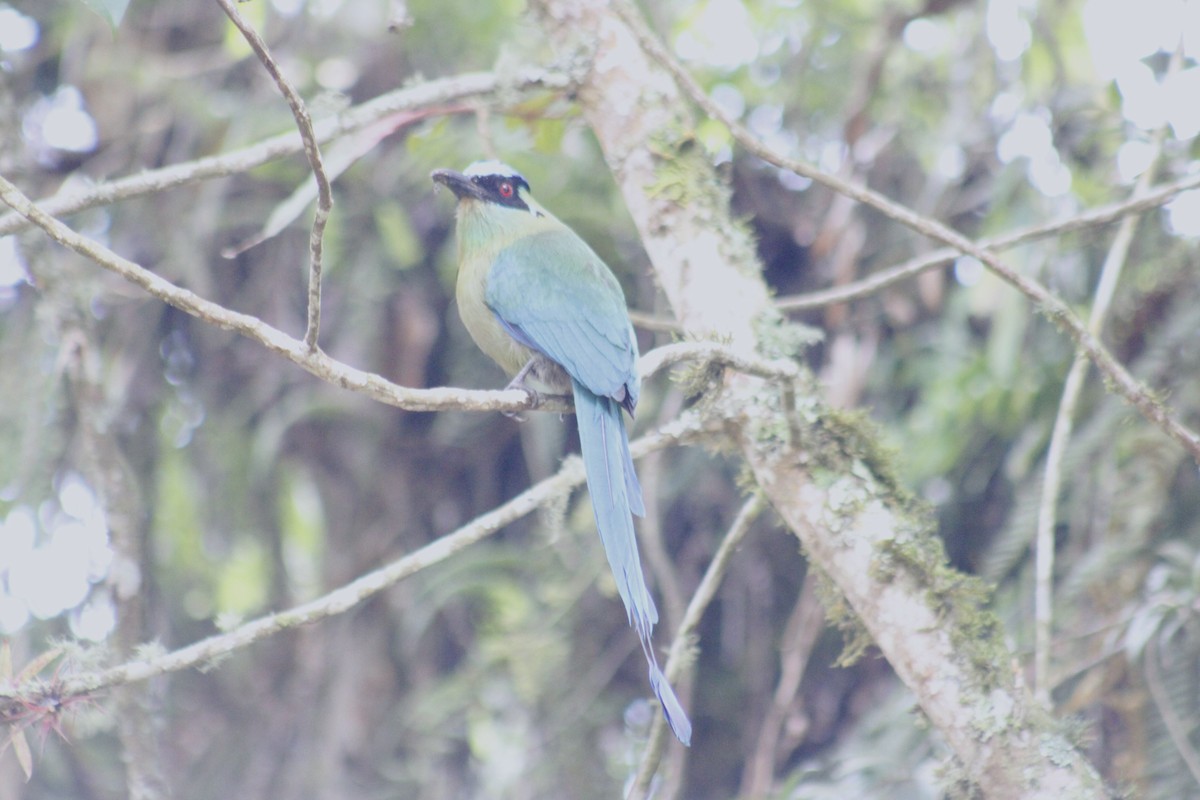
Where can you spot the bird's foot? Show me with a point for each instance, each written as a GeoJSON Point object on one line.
{"type": "Point", "coordinates": [518, 383]}
{"type": "Point", "coordinates": [535, 397]}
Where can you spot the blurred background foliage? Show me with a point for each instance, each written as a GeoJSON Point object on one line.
{"type": "Point", "coordinates": [509, 671]}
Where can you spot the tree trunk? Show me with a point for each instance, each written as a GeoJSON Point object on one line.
{"type": "Point", "coordinates": [819, 468]}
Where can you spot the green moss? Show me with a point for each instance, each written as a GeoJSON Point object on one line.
{"type": "Point", "coordinates": [860, 444]}
{"type": "Point", "coordinates": [824, 478]}
{"type": "Point", "coordinates": [843, 453]}
{"type": "Point", "coordinates": [1076, 729]}
{"type": "Point", "coordinates": [840, 443]}
{"type": "Point", "coordinates": [772, 430]}
{"type": "Point", "coordinates": [682, 174]}
{"type": "Point", "coordinates": [745, 481]}
{"type": "Point", "coordinates": [1057, 750]}
{"type": "Point", "coordinates": [993, 714]}
{"type": "Point", "coordinates": [685, 176]}
{"type": "Point", "coordinates": [959, 599]}
{"type": "Point", "coordinates": [956, 781]}
{"type": "Point", "coordinates": [779, 337]}
{"type": "Point", "coordinates": [856, 640]}
{"type": "Point", "coordinates": [698, 377]}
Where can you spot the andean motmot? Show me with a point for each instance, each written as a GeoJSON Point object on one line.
{"type": "Point", "coordinates": [540, 302]}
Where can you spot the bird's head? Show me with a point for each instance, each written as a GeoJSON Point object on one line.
{"type": "Point", "coordinates": [489, 183]}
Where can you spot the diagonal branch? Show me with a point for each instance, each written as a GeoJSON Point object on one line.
{"type": "Point", "coordinates": [514, 87]}
{"type": "Point", "coordinates": [275, 340]}
{"type": "Point", "coordinates": [1139, 203]}
{"type": "Point", "coordinates": [679, 431]}
{"type": "Point", "coordinates": [304, 124]}
{"type": "Point", "coordinates": [1134, 392]}
{"type": "Point", "coordinates": [1064, 421]}
{"type": "Point", "coordinates": [714, 353]}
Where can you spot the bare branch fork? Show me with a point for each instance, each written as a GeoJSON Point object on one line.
{"type": "Point", "coordinates": [1137, 394]}
{"type": "Point", "coordinates": [313, 152]}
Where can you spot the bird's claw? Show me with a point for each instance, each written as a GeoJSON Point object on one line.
{"type": "Point", "coordinates": [534, 398]}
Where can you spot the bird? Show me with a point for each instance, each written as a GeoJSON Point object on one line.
{"type": "Point", "coordinates": [541, 304]}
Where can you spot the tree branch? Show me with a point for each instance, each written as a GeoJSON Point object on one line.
{"type": "Point", "coordinates": [516, 86]}
{"type": "Point", "coordinates": [313, 152]}
{"type": "Point", "coordinates": [1102, 215]}
{"type": "Point", "coordinates": [1064, 420]}
{"type": "Point", "coordinates": [714, 353]}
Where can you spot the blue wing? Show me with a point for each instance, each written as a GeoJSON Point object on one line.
{"type": "Point", "coordinates": [554, 295]}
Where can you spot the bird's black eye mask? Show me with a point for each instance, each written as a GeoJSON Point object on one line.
{"type": "Point", "coordinates": [503, 190]}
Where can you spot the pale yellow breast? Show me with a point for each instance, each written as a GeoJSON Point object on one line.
{"type": "Point", "coordinates": [482, 233]}
{"type": "Point", "coordinates": [482, 324]}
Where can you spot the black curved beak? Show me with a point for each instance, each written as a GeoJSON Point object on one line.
{"type": "Point", "coordinates": [460, 184]}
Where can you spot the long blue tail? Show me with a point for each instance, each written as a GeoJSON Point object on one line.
{"type": "Point", "coordinates": [616, 496]}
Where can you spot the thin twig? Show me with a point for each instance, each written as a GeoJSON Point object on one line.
{"type": "Point", "coordinates": [428, 97]}
{"type": "Point", "coordinates": [681, 430]}
{"type": "Point", "coordinates": [680, 658]}
{"type": "Point", "coordinates": [338, 158]}
{"type": "Point", "coordinates": [304, 125]}
{"type": "Point", "coordinates": [1102, 215]}
{"type": "Point", "coordinates": [1064, 421]}
{"type": "Point", "coordinates": [1137, 394]}
{"type": "Point", "coordinates": [800, 636]}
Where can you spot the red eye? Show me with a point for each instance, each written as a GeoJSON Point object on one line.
{"type": "Point", "coordinates": [506, 190]}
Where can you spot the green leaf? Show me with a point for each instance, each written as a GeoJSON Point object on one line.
{"type": "Point", "coordinates": [113, 11]}
{"type": "Point", "coordinates": [548, 135]}
{"type": "Point", "coordinates": [242, 583]}
{"type": "Point", "coordinates": [713, 135]}
{"type": "Point", "coordinates": [302, 526]}
{"type": "Point", "coordinates": [400, 240]}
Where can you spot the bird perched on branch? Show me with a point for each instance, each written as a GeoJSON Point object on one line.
{"type": "Point", "coordinates": [542, 304]}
